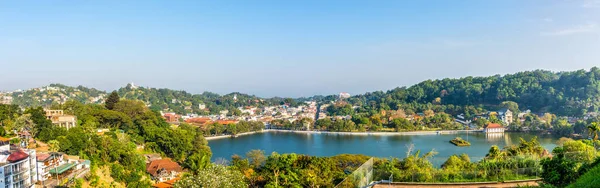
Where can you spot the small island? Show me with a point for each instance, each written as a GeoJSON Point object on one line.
{"type": "Point", "coordinates": [460, 142]}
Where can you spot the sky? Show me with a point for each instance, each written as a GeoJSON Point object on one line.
{"type": "Point", "coordinates": [288, 48]}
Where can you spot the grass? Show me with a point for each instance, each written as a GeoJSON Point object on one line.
{"type": "Point", "coordinates": [589, 179]}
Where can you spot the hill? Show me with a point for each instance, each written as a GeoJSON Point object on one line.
{"type": "Point", "coordinates": [589, 179]}
{"type": "Point", "coordinates": [180, 102]}
{"type": "Point", "coordinates": [564, 93]}
{"type": "Point", "coordinates": [572, 93]}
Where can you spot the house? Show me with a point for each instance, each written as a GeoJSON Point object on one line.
{"type": "Point", "coordinates": [226, 122]}
{"type": "Point", "coordinates": [505, 115]}
{"type": "Point", "coordinates": [198, 120]}
{"type": "Point", "coordinates": [166, 184]}
{"type": "Point", "coordinates": [493, 128]}
{"type": "Point", "coordinates": [17, 166]}
{"type": "Point", "coordinates": [171, 117]}
{"type": "Point", "coordinates": [164, 169]}
{"type": "Point", "coordinates": [60, 119]}
{"type": "Point", "coordinates": [46, 162]}
{"type": "Point", "coordinates": [344, 95]}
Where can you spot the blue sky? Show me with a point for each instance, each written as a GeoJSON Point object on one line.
{"type": "Point", "coordinates": [288, 48]}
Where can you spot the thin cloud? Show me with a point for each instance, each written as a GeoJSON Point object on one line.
{"type": "Point", "coordinates": [548, 20]}
{"type": "Point", "coordinates": [574, 30]}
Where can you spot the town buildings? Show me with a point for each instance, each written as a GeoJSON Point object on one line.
{"type": "Point", "coordinates": [17, 166]}
{"type": "Point", "coordinates": [60, 119]}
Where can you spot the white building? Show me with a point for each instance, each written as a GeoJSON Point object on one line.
{"type": "Point", "coordinates": [493, 128]}
{"type": "Point", "coordinates": [17, 167]}
{"type": "Point", "coordinates": [46, 162]}
{"type": "Point", "coordinates": [344, 95]}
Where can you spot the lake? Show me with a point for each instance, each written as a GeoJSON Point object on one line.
{"type": "Point", "coordinates": [321, 144]}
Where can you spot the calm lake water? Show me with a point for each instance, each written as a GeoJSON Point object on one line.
{"type": "Point", "coordinates": [372, 145]}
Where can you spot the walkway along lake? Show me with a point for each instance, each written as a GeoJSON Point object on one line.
{"type": "Point", "coordinates": [323, 144]}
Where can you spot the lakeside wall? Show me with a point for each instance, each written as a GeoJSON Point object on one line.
{"type": "Point", "coordinates": [347, 133]}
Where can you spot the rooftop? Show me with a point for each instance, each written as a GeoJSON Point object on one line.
{"type": "Point", "coordinates": [494, 125]}
{"type": "Point", "coordinates": [162, 164]}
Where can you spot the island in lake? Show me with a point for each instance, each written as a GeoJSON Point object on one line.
{"type": "Point", "coordinates": [460, 142]}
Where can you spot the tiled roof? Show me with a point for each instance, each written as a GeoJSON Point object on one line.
{"type": "Point", "coordinates": [200, 120]}
{"type": "Point", "coordinates": [166, 184]}
{"type": "Point", "coordinates": [17, 156]}
{"type": "Point", "coordinates": [42, 156]}
{"type": "Point", "coordinates": [494, 125]}
{"type": "Point", "coordinates": [2, 139]}
{"type": "Point", "coordinates": [162, 164]}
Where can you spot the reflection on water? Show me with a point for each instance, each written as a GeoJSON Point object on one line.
{"type": "Point", "coordinates": [322, 144]}
{"type": "Point", "coordinates": [495, 137]}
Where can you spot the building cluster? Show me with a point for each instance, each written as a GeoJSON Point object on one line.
{"type": "Point", "coordinates": [6, 98]}
{"type": "Point", "coordinates": [22, 167]}
{"type": "Point", "coordinates": [49, 94]}
{"type": "Point", "coordinates": [248, 113]}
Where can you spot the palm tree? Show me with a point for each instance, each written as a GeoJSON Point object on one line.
{"type": "Point", "coordinates": [594, 127]}
{"type": "Point", "coordinates": [53, 145]}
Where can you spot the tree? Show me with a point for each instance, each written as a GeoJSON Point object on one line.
{"type": "Point", "coordinates": [23, 122]}
{"type": "Point", "coordinates": [257, 157]}
{"type": "Point", "coordinates": [53, 145]}
{"type": "Point", "coordinates": [558, 171]}
{"type": "Point", "coordinates": [112, 99]}
{"type": "Point", "coordinates": [510, 105]}
{"type": "Point", "coordinates": [594, 127]}
{"type": "Point", "coordinates": [217, 176]}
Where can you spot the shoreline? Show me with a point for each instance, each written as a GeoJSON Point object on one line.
{"type": "Point", "coordinates": [346, 133]}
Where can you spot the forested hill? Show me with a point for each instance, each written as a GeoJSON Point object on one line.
{"type": "Point", "coordinates": [159, 99]}
{"type": "Point", "coordinates": [183, 102]}
{"type": "Point", "coordinates": [565, 93]}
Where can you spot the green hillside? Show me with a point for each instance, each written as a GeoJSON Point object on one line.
{"type": "Point", "coordinates": [590, 179]}
{"type": "Point", "coordinates": [571, 93]}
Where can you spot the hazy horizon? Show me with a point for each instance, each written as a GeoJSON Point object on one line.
{"type": "Point", "coordinates": [322, 94]}
{"type": "Point", "coordinates": [286, 48]}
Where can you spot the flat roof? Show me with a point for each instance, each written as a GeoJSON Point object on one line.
{"type": "Point", "coordinates": [62, 168]}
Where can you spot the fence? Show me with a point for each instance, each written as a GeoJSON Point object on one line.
{"type": "Point", "coordinates": [361, 177]}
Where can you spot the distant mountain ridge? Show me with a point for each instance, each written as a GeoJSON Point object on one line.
{"type": "Point", "coordinates": [570, 93]}
{"type": "Point", "coordinates": [177, 101]}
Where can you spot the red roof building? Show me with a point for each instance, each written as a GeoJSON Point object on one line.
{"type": "Point", "coordinates": [493, 128]}
{"type": "Point", "coordinates": [198, 120]}
{"type": "Point", "coordinates": [493, 125]}
{"type": "Point", "coordinates": [166, 184]}
{"type": "Point", "coordinates": [164, 169]}
{"type": "Point", "coordinates": [17, 156]}
{"type": "Point", "coordinates": [171, 117]}
{"type": "Point", "coordinates": [226, 122]}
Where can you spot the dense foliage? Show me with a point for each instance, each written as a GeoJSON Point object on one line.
{"type": "Point", "coordinates": [132, 126]}
{"type": "Point", "coordinates": [563, 93]}
{"type": "Point", "coordinates": [514, 162]}
{"type": "Point", "coordinates": [183, 102]}
{"type": "Point", "coordinates": [216, 176]}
